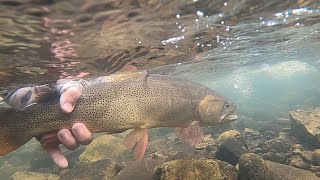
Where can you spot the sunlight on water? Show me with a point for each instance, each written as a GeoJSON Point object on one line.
{"type": "Point", "coordinates": [263, 56]}
{"type": "Point", "coordinates": [287, 69]}
{"type": "Point", "coordinates": [281, 86]}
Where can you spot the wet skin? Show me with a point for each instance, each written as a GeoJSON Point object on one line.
{"type": "Point", "coordinates": [204, 106]}
{"type": "Point", "coordinates": [71, 139]}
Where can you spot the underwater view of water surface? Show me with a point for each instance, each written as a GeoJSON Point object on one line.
{"type": "Point", "coordinates": [262, 55]}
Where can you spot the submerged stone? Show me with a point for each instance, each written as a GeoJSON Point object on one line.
{"type": "Point", "coordinates": [228, 134]}
{"type": "Point", "coordinates": [305, 124]}
{"type": "Point", "coordinates": [284, 172]}
{"type": "Point", "coordinates": [102, 169]}
{"type": "Point", "coordinates": [232, 146]}
{"type": "Point", "coordinates": [274, 157]}
{"type": "Point", "coordinates": [316, 157]}
{"type": "Point", "coordinates": [307, 155]}
{"type": "Point", "coordinates": [141, 170]}
{"type": "Point", "coordinates": [195, 169]}
{"type": "Point", "coordinates": [25, 175]}
{"type": "Point", "coordinates": [103, 147]}
{"type": "Point", "coordinates": [252, 167]}
{"type": "Point", "coordinates": [297, 161]}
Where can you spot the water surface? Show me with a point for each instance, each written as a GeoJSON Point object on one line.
{"type": "Point", "coordinates": [264, 55]}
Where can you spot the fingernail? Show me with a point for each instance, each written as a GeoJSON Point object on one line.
{"type": "Point", "coordinates": [67, 107]}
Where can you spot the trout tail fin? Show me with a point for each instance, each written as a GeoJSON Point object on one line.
{"type": "Point", "coordinates": [10, 138]}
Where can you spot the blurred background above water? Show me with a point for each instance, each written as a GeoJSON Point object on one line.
{"type": "Point", "coordinates": [44, 40]}
{"type": "Point", "coordinates": [259, 53]}
{"type": "Point", "coordinates": [262, 54]}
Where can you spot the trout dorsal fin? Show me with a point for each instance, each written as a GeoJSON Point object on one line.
{"type": "Point", "coordinates": [116, 77]}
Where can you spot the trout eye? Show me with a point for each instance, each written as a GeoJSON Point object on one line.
{"type": "Point", "coordinates": [227, 107]}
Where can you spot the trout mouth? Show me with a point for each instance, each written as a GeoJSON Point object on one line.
{"type": "Point", "coordinates": [229, 111]}
{"type": "Point", "coordinates": [228, 117]}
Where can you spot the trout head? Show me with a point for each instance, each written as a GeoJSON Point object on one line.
{"type": "Point", "coordinates": [215, 109]}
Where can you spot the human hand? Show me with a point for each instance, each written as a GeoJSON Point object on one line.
{"type": "Point", "coordinates": [79, 133]}
{"type": "Point", "coordinates": [71, 139]}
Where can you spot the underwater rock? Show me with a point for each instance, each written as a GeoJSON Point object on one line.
{"type": "Point", "coordinates": [102, 169]}
{"type": "Point", "coordinates": [252, 167]}
{"type": "Point", "coordinates": [228, 134]}
{"type": "Point", "coordinates": [297, 161]}
{"type": "Point", "coordinates": [315, 168]}
{"type": "Point", "coordinates": [297, 152]}
{"type": "Point", "coordinates": [141, 170]}
{"type": "Point", "coordinates": [205, 143]}
{"type": "Point", "coordinates": [270, 134]}
{"type": "Point", "coordinates": [135, 170]}
{"type": "Point", "coordinates": [274, 157]}
{"type": "Point", "coordinates": [103, 147]}
{"type": "Point", "coordinates": [285, 172]}
{"type": "Point", "coordinates": [7, 169]}
{"type": "Point", "coordinates": [253, 140]}
{"type": "Point", "coordinates": [41, 160]}
{"type": "Point", "coordinates": [316, 157]}
{"type": "Point", "coordinates": [179, 155]}
{"type": "Point", "coordinates": [307, 155]}
{"type": "Point", "coordinates": [195, 169]}
{"type": "Point", "coordinates": [305, 124]}
{"type": "Point", "coordinates": [232, 146]}
{"type": "Point", "coordinates": [248, 131]}
{"type": "Point", "coordinates": [25, 175]}
{"type": "Point", "coordinates": [297, 146]}
{"type": "Point", "coordinates": [281, 144]}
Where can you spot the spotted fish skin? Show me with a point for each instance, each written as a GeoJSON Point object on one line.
{"type": "Point", "coordinates": [114, 105]}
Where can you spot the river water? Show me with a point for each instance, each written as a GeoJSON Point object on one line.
{"type": "Point", "coordinates": [264, 55]}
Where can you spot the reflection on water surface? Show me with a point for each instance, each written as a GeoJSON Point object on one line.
{"type": "Point", "coordinates": [262, 54]}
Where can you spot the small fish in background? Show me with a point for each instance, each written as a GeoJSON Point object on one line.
{"type": "Point", "coordinates": [117, 103]}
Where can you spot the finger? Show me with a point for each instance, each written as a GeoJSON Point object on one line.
{"type": "Point", "coordinates": [58, 158]}
{"type": "Point", "coordinates": [67, 139]}
{"type": "Point", "coordinates": [69, 98]}
{"type": "Point", "coordinates": [82, 134]}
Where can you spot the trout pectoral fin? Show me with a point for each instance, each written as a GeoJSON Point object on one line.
{"type": "Point", "coordinates": [137, 139]}
{"type": "Point", "coordinates": [192, 135]}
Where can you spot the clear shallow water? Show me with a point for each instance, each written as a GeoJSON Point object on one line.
{"type": "Point", "coordinates": [264, 56]}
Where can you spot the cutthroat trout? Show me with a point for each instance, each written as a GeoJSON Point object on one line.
{"type": "Point", "coordinates": [117, 103]}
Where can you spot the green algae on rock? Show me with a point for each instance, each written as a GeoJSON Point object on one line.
{"type": "Point", "coordinates": [228, 134]}
{"type": "Point", "coordinates": [25, 175]}
{"type": "Point", "coordinates": [252, 166]}
{"type": "Point", "coordinates": [103, 147]}
{"type": "Point", "coordinates": [102, 169]}
{"type": "Point", "coordinates": [195, 169]}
